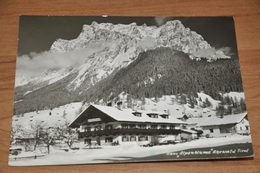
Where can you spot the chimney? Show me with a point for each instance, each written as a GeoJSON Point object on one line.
{"type": "Point", "coordinates": [134, 108]}
{"type": "Point", "coordinates": [167, 112]}
{"type": "Point", "coordinates": [109, 103]}
{"type": "Point", "coordinates": [119, 105]}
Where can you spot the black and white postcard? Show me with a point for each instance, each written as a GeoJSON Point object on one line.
{"type": "Point", "coordinates": [107, 89]}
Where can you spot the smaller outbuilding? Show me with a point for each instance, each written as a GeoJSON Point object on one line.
{"type": "Point", "coordinates": [225, 126]}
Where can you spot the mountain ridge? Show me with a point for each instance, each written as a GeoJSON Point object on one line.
{"type": "Point", "coordinates": [165, 71]}
{"type": "Point", "coordinates": [162, 71]}
{"type": "Point", "coordinates": [102, 50]}
{"type": "Point", "coordinates": [107, 46]}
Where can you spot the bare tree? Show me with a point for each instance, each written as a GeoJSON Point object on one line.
{"type": "Point", "coordinates": [69, 135]}
{"type": "Point", "coordinates": [47, 137]}
{"type": "Point", "coordinates": [42, 134]}
{"type": "Point", "coordinates": [16, 131]}
{"type": "Point", "coordinates": [37, 131]}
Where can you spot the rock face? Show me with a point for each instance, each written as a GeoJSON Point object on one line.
{"type": "Point", "coordinates": [102, 55]}
{"type": "Point", "coordinates": [105, 48]}
{"type": "Point", "coordinates": [172, 34]}
{"type": "Point", "coordinates": [115, 46]}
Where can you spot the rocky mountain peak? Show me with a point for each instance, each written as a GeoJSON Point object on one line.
{"type": "Point", "coordinates": [171, 34]}
{"type": "Point", "coordinates": [106, 47]}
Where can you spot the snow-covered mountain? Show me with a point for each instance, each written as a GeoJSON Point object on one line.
{"type": "Point", "coordinates": [103, 49]}
{"type": "Point", "coordinates": [106, 47]}
{"type": "Point", "coordinates": [172, 34]}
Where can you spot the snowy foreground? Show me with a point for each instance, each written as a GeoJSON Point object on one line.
{"type": "Point", "coordinates": [124, 152]}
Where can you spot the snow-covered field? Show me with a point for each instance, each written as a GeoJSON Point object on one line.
{"type": "Point", "coordinates": [177, 110]}
{"type": "Point", "coordinates": [165, 103]}
{"type": "Point", "coordinates": [124, 152]}
{"type": "Point", "coordinates": [50, 117]}
{"type": "Point", "coordinates": [127, 150]}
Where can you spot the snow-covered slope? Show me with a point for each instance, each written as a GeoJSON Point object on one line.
{"type": "Point", "coordinates": [169, 105]}
{"type": "Point", "coordinates": [105, 47]}
{"type": "Point", "coordinates": [20, 80]}
{"type": "Point", "coordinates": [101, 50]}
{"type": "Point", "coordinates": [172, 34]}
{"type": "Point", "coordinates": [49, 117]}
{"type": "Point", "coordinates": [214, 103]}
{"type": "Point", "coordinates": [235, 95]}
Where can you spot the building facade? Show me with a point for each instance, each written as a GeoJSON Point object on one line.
{"type": "Point", "coordinates": [225, 126]}
{"type": "Point", "coordinates": [105, 125]}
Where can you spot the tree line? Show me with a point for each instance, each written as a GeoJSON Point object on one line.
{"type": "Point", "coordinates": [158, 72]}
{"type": "Point", "coordinates": [165, 71]}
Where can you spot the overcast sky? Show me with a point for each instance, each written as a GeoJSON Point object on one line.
{"type": "Point", "coordinates": [37, 33]}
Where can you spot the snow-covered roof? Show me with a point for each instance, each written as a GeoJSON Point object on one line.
{"type": "Point", "coordinates": [228, 119]}
{"type": "Point", "coordinates": [15, 148]}
{"type": "Point", "coordinates": [194, 120]}
{"type": "Point", "coordinates": [189, 131]}
{"type": "Point", "coordinates": [122, 115]}
{"type": "Point", "coordinates": [126, 115]}
{"type": "Point", "coordinates": [168, 138]}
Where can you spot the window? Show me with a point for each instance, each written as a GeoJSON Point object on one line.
{"type": "Point", "coordinates": [87, 141]}
{"type": "Point", "coordinates": [137, 114]}
{"type": "Point", "coordinates": [227, 130]}
{"type": "Point", "coordinates": [153, 115]}
{"type": "Point", "coordinates": [143, 138]}
{"type": "Point", "coordinates": [125, 138]}
{"type": "Point", "coordinates": [132, 138]}
{"type": "Point", "coordinates": [211, 130]}
{"type": "Point", "coordinates": [165, 116]}
{"type": "Point", "coordinates": [247, 127]}
{"type": "Point", "coordinates": [108, 139]}
{"type": "Point", "coordinates": [142, 126]}
{"type": "Point", "coordinates": [163, 126]}
{"type": "Point", "coordinates": [124, 126]}
{"type": "Point", "coordinates": [172, 127]}
{"type": "Point", "coordinates": [87, 129]}
{"type": "Point", "coordinates": [132, 126]}
{"type": "Point", "coordinates": [109, 126]}
{"type": "Point", "coordinates": [153, 126]}
{"type": "Point", "coordinates": [97, 128]}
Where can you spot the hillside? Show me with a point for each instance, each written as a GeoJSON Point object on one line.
{"type": "Point", "coordinates": [165, 71]}
{"type": "Point", "coordinates": [162, 71]}
{"type": "Point", "coordinates": [106, 59]}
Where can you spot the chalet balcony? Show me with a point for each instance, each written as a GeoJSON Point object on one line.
{"type": "Point", "coordinates": [108, 132]}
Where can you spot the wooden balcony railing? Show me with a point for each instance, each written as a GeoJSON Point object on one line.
{"type": "Point", "coordinates": [108, 132]}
